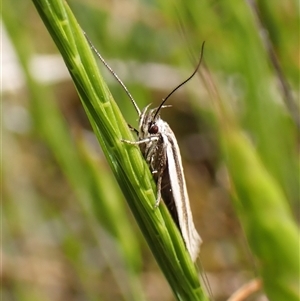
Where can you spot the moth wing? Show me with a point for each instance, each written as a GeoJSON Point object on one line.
{"type": "Point", "coordinates": [178, 186]}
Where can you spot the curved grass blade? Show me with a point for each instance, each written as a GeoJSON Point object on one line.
{"type": "Point", "coordinates": [126, 161]}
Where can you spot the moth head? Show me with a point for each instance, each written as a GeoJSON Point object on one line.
{"type": "Point", "coordinates": [153, 122]}
{"type": "Point", "coordinates": [148, 122]}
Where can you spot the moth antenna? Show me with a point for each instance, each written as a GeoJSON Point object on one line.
{"type": "Point", "coordinates": [113, 73]}
{"type": "Point", "coordinates": [176, 88]}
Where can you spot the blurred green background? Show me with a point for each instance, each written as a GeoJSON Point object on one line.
{"type": "Point", "coordinates": [67, 232]}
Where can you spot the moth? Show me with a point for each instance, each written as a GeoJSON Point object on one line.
{"type": "Point", "coordinates": [160, 149]}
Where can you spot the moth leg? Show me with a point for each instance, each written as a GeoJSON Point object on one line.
{"type": "Point", "coordinates": [154, 138]}
{"type": "Point", "coordinates": [158, 184]}
{"type": "Point", "coordinates": [162, 158]}
{"type": "Point", "coordinates": [128, 141]}
{"type": "Point", "coordinates": [133, 129]}
{"type": "Point", "coordinates": [160, 173]}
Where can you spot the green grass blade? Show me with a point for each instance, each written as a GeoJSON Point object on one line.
{"type": "Point", "coordinates": [130, 169]}
{"type": "Point", "coordinates": [265, 178]}
{"type": "Point", "coordinates": [266, 218]}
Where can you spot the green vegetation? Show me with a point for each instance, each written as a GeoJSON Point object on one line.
{"type": "Point", "coordinates": [64, 217]}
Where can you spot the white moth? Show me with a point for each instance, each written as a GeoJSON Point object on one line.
{"type": "Point", "coordinates": [160, 149]}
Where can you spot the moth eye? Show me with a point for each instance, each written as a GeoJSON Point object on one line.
{"type": "Point", "coordinates": [153, 129]}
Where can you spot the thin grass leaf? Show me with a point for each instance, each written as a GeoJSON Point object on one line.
{"type": "Point", "coordinates": [130, 169]}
